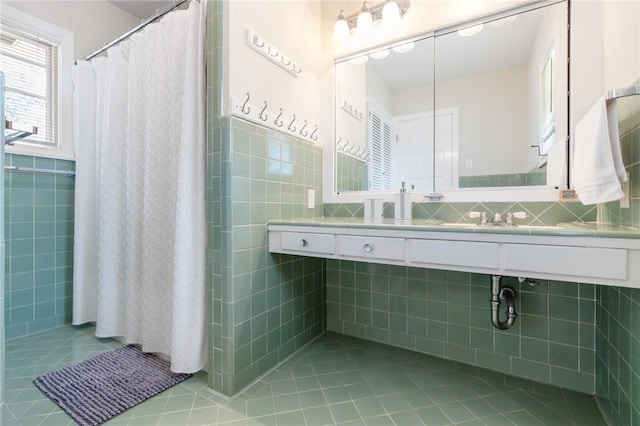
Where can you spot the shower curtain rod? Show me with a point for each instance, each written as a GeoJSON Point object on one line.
{"type": "Point", "coordinates": [159, 14]}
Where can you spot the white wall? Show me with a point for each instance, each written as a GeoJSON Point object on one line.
{"type": "Point", "coordinates": [492, 124]}
{"type": "Point", "coordinates": [351, 83]}
{"type": "Point", "coordinates": [94, 23]}
{"type": "Point", "coordinates": [294, 29]}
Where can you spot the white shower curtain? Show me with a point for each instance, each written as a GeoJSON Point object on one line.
{"type": "Point", "coordinates": [140, 226]}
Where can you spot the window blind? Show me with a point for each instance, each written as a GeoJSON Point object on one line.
{"type": "Point", "coordinates": [30, 69]}
{"type": "Point", "coordinates": [380, 146]}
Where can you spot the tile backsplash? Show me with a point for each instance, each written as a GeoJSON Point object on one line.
{"type": "Point", "coordinates": [539, 213]}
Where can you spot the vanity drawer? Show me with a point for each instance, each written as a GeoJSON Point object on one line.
{"type": "Point", "coordinates": [308, 242]}
{"type": "Point", "coordinates": [592, 262]}
{"type": "Point", "coordinates": [456, 253]}
{"type": "Point", "coordinates": [371, 247]}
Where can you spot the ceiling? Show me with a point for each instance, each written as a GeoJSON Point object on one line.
{"type": "Point", "coordinates": [141, 8]}
{"type": "Point", "coordinates": [495, 47]}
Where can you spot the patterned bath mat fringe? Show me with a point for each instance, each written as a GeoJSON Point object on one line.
{"type": "Point", "coordinates": [98, 389]}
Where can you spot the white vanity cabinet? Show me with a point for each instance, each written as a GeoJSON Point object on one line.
{"type": "Point", "coordinates": [562, 256]}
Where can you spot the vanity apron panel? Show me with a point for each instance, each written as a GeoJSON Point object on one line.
{"type": "Point", "coordinates": [454, 253]}
{"type": "Point", "coordinates": [591, 262]}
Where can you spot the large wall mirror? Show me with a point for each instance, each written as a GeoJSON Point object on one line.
{"type": "Point", "coordinates": [482, 105]}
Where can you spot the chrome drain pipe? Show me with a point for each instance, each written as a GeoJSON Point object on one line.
{"type": "Point", "coordinates": [506, 294]}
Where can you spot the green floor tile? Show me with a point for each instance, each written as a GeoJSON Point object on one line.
{"type": "Point", "coordinates": [369, 407]}
{"type": "Point", "coordinates": [317, 416]}
{"type": "Point", "coordinates": [457, 412]}
{"type": "Point", "coordinates": [357, 383]}
{"type": "Point", "coordinates": [344, 412]}
{"type": "Point", "coordinates": [433, 416]}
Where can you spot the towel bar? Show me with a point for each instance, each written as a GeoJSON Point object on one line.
{"type": "Point", "coordinates": [622, 93]}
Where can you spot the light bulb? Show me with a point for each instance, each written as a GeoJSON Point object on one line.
{"type": "Point", "coordinates": [380, 54]}
{"type": "Point", "coordinates": [340, 29]}
{"type": "Point", "coordinates": [364, 25]}
{"type": "Point", "coordinates": [390, 13]}
{"type": "Point", "coordinates": [359, 60]}
{"type": "Point", "coordinates": [403, 48]}
{"type": "Point", "coordinates": [467, 32]}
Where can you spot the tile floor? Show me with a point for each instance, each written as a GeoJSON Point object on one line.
{"type": "Point", "coordinates": [334, 380]}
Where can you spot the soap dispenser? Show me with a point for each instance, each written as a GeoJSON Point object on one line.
{"type": "Point", "coordinates": [402, 205]}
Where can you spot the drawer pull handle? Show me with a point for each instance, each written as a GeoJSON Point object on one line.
{"type": "Point", "coordinates": [303, 243]}
{"type": "Point", "coordinates": [368, 248]}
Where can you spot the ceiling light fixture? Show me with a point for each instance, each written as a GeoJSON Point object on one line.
{"type": "Point", "coordinates": [387, 14]}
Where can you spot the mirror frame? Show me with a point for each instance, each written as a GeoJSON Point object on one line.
{"type": "Point", "coordinates": [490, 194]}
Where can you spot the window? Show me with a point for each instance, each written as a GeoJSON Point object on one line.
{"type": "Point", "coordinates": [36, 59]}
{"type": "Point", "coordinates": [380, 134]}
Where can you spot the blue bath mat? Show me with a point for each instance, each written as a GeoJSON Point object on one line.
{"type": "Point", "coordinates": [98, 389]}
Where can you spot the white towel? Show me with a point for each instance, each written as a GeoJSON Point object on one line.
{"type": "Point", "coordinates": [597, 161]}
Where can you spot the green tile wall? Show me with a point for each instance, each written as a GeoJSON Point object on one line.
{"type": "Point", "coordinates": [535, 177]}
{"type": "Point", "coordinates": [351, 174]}
{"type": "Point", "coordinates": [38, 213]}
{"type": "Point", "coordinates": [447, 314]}
{"type": "Point", "coordinates": [2, 283]}
{"type": "Point", "coordinates": [262, 306]}
{"type": "Point", "coordinates": [618, 309]}
{"type": "Point", "coordinates": [265, 306]}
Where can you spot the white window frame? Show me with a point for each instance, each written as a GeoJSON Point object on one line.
{"type": "Point", "coordinates": [64, 40]}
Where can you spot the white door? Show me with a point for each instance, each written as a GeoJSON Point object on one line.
{"type": "Point", "coordinates": [414, 154]}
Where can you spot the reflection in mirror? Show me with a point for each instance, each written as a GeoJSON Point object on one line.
{"type": "Point", "coordinates": [371, 155]}
{"type": "Point", "coordinates": [498, 90]}
{"type": "Point", "coordinates": [496, 108]}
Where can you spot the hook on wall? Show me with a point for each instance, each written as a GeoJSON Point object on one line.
{"type": "Point", "coordinates": [314, 136]}
{"type": "Point", "coordinates": [262, 114]}
{"type": "Point", "coordinates": [255, 41]}
{"type": "Point", "coordinates": [275, 51]}
{"type": "Point", "coordinates": [245, 108]}
{"type": "Point", "coordinates": [276, 122]}
{"type": "Point", "coordinates": [291, 127]}
{"type": "Point", "coordinates": [303, 132]}
{"type": "Point", "coordinates": [273, 54]}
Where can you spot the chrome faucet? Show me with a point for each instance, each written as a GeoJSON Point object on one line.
{"type": "Point", "coordinates": [516, 215]}
{"type": "Point", "coordinates": [481, 215]}
{"type": "Point", "coordinates": [497, 218]}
